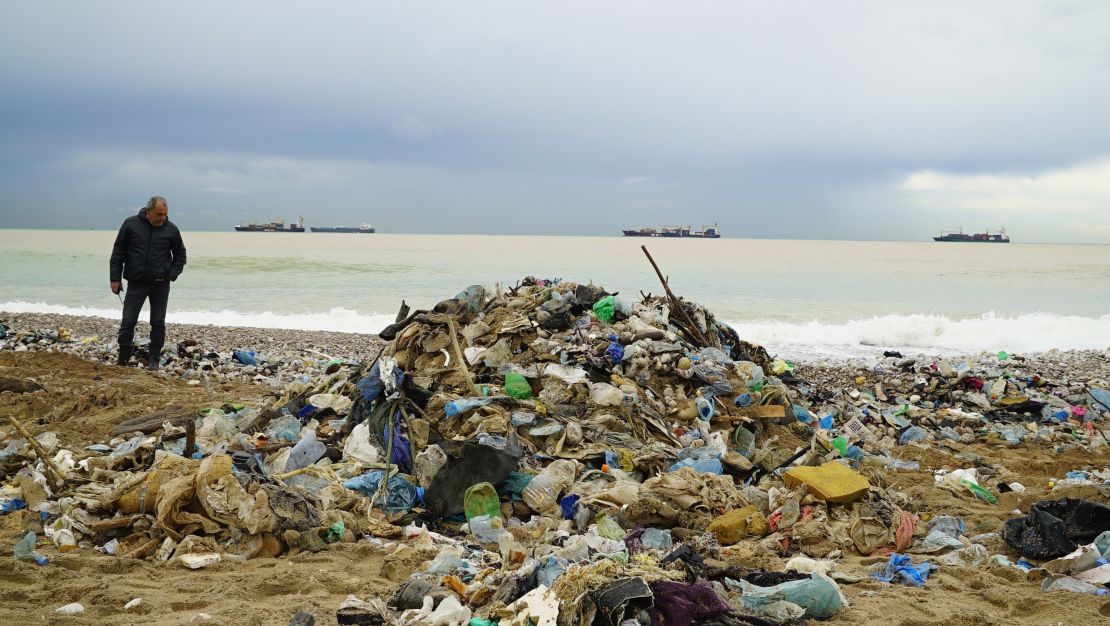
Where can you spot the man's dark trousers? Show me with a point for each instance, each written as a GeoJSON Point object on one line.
{"type": "Point", "coordinates": [138, 292]}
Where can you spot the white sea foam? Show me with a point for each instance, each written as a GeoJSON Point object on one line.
{"type": "Point", "coordinates": [936, 334]}
{"type": "Point", "coordinates": [335, 319]}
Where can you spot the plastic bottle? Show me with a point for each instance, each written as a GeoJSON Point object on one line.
{"type": "Point", "coordinates": [705, 408]}
{"type": "Point", "coordinates": [25, 550]}
{"type": "Point", "coordinates": [703, 466]}
{"type": "Point", "coordinates": [542, 493]}
{"type": "Point", "coordinates": [1073, 585]}
{"type": "Point", "coordinates": [906, 466]}
{"type": "Point", "coordinates": [462, 405]}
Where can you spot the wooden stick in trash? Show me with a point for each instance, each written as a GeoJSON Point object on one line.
{"type": "Point", "coordinates": [55, 475]}
{"type": "Point", "coordinates": [190, 437]}
{"type": "Point", "coordinates": [674, 301]}
{"type": "Point", "coordinates": [452, 330]}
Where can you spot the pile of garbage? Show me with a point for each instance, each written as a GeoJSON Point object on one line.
{"type": "Point", "coordinates": [557, 454]}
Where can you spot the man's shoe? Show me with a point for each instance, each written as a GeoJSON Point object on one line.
{"type": "Point", "coordinates": [155, 362]}
{"type": "Point", "coordinates": [124, 355]}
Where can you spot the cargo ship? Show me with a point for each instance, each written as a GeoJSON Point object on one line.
{"type": "Point", "coordinates": [987, 237]}
{"type": "Point", "coordinates": [365, 228]}
{"type": "Point", "coordinates": [706, 232]}
{"type": "Point", "coordinates": [271, 227]}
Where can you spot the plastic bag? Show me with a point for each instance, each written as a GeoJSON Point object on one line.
{"type": "Point", "coordinates": [819, 595]}
{"type": "Point", "coordinates": [358, 449]}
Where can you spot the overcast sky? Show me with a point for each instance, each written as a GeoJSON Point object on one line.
{"type": "Point", "coordinates": [845, 120]}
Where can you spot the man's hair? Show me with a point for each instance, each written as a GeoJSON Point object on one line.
{"type": "Point", "coordinates": [150, 204]}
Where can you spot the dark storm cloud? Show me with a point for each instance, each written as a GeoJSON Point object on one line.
{"type": "Point", "coordinates": [784, 119]}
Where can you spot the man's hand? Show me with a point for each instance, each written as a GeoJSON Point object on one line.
{"type": "Point", "coordinates": [116, 286]}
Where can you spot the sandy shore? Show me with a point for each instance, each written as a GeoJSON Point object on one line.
{"type": "Point", "coordinates": [350, 346]}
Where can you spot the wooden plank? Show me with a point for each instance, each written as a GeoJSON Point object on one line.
{"type": "Point", "coordinates": [766, 411]}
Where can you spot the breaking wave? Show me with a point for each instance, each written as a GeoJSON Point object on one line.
{"type": "Point", "coordinates": [335, 319]}
{"type": "Point", "coordinates": [936, 334]}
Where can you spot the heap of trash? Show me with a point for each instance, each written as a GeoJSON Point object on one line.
{"type": "Point", "coordinates": [557, 454]}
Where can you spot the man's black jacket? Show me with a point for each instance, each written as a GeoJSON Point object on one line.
{"type": "Point", "coordinates": [143, 253]}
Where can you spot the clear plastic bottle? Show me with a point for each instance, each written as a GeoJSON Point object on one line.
{"type": "Point", "coordinates": [25, 550]}
{"type": "Point", "coordinates": [543, 491]}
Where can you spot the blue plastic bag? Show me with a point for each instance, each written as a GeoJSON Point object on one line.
{"type": "Point", "coordinates": [399, 496]}
{"type": "Point", "coordinates": [901, 570]}
{"type": "Point", "coordinates": [244, 357]}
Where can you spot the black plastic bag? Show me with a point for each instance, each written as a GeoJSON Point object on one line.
{"type": "Point", "coordinates": [1054, 528]}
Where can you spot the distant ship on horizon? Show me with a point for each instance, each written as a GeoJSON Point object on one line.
{"type": "Point", "coordinates": [987, 237]}
{"type": "Point", "coordinates": [365, 228]}
{"type": "Point", "coordinates": [271, 227]}
{"type": "Point", "coordinates": [706, 232]}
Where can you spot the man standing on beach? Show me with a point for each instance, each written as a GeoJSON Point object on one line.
{"type": "Point", "coordinates": [149, 253]}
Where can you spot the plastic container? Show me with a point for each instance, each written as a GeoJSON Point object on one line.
{"type": "Point", "coordinates": [542, 494]}
{"type": "Point", "coordinates": [482, 499]}
{"type": "Point", "coordinates": [485, 528]}
{"type": "Point", "coordinates": [25, 550]}
{"type": "Point", "coordinates": [64, 540]}
{"type": "Point", "coordinates": [516, 385]}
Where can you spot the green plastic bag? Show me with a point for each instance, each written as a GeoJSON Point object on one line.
{"type": "Point", "coordinates": [516, 385]}
{"type": "Point", "coordinates": [608, 527]}
{"type": "Point", "coordinates": [604, 308]}
{"type": "Point", "coordinates": [481, 499]}
{"type": "Point", "coordinates": [335, 532]}
{"type": "Point", "coordinates": [980, 492]}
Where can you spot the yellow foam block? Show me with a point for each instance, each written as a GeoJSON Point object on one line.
{"type": "Point", "coordinates": [832, 482]}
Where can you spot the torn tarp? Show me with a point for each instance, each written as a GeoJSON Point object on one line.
{"type": "Point", "coordinates": [613, 599]}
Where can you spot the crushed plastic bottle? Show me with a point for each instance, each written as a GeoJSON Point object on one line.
{"type": "Point", "coordinates": [912, 434]}
{"type": "Point", "coordinates": [25, 550]}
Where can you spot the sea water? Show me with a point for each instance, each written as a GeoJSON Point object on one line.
{"type": "Point", "coordinates": [801, 299]}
